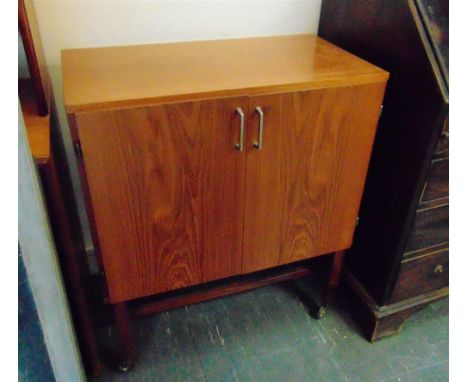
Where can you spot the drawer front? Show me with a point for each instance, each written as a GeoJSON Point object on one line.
{"type": "Point", "coordinates": [442, 150]}
{"type": "Point", "coordinates": [437, 185]}
{"type": "Point", "coordinates": [422, 274]}
{"type": "Point", "coordinates": [431, 227]}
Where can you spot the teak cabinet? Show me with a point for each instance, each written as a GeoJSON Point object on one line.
{"type": "Point", "coordinates": [184, 193]}
{"type": "Point", "coordinates": [202, 167]}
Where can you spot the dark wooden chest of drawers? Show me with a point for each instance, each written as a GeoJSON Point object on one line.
{"type": "Point", "coordinates": [399, 259]}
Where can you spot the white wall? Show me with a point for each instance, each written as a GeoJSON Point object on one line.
{"type": "Point", "coordinates": [42, 268]}
{"type": "Point", "coordinates": [77, 24]}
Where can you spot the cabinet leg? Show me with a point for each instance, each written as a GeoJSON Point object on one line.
{"type": "Point", "coordinates": [332, 284]}
{"type": "Point", "coordinates": [127, 347]}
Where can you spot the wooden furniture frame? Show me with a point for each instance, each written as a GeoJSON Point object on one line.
{"type": "Point", "coordinates": [224, 170]}
{"type": "Point", "coordinates": [194, 295]}
{"type": "Point", "coordinates": [399, 261]}
{"type": "Point", "coordinates": [29, 31]}
{"type": "Point", "coordinates": [35, 98]}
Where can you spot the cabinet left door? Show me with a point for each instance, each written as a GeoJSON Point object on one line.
{"type": "Point", "coordinates": [166, 186]}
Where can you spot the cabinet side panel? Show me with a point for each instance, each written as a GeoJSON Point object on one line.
{"type": "Point", "coordinates": [326, 151]}
{"type": "Point", "coordinates": [356, 110]}
{"type": "Point", "coordinates": [166, 189]}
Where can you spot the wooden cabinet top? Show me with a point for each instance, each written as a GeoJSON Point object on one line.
{"type": "Point", "coordinates": [99, 78]}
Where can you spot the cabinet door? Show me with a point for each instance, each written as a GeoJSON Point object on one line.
{"type": "Point", "coordinates": [303, 187]}
{"type": "Point", "coordinates": [167, 190]}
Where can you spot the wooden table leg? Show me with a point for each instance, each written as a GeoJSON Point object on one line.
{"type": "Point", "coordinates": [127, 347]}
{"type": "Point", "coordinates": [333, 282]}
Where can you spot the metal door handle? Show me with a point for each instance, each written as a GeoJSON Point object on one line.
{"type": "Point", "coordinates": [259, 143]}
{"type": "Point", "coordinates": [240, 146]}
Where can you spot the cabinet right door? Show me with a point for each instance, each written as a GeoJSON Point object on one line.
{"type": "Point", "coordinates": [304, 184]}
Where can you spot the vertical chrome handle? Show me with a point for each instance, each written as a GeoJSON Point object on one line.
{"type": "Point", "coordinates": [240, 146]}
{"type": "Point", "coordinates": [259, 143]}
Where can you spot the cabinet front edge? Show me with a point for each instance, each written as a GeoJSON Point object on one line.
{"type": "Point", "coordinates": [73, 108]}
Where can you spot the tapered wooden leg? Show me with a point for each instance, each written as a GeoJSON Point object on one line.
{"type": "Point", "coordinates": [127, 347]}
{"type": "Point", "coordinates": [333, 282]}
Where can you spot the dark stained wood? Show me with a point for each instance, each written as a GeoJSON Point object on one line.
{"type": "Point", "coordinates": [426, 251]}
{"type": "Point", "coordinates": [45, 148]}
{"type": "Point", "coordinates": [433, 204]}
{"type": "Point", "coordinates": [391, 35]}
{"type": "Point", "coordinates": [333, 281]}
{"type": "Point", "coordinates": [380, 321]}
{"type": "Point", "coordinates": [218, 289]}
{"type": "Point", "coordinates": [390, 325]}
{"type": "Point", "coordinates": [390, 318]}
{"type": "Point", "coordinates": [422, 274]}
{"type": "Point", "coordinates": [304, 186]}
{"type": "Point", "coordinates": [442, 150]}
{"type": "Point", "coordinates": [167, 196]}
{"type": "Point", "coordinates": [127, 346]}
{"type": "Point", "coordinates": [431, 227]}
{"type": "Point", "coordinates": [336, 269]}
{"type": "Point", "coordinates": [27, 25]}
{"type": "Point", "coordinates": [437, 186]}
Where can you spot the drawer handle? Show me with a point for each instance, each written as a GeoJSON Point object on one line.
{"type": "Point", "coordinates": [438, 269]}
{"type": "Point", "coordinates": [240, 146]}
{"type": "Point", "coordinates": [259, 143]}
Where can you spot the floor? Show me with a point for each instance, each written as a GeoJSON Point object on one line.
{"type": "Point", "coordinates": [269, 335]}
{"type": "Point", "coordinates": [33, 359]}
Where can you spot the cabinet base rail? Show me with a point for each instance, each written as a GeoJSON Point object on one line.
{"type": "Point", "coordinates": [380, 321]}
{"type": "Point", "coordinates": [196, 294]}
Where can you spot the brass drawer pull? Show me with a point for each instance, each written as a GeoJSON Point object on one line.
{"type": "Point", "coordinates": [240, 146]}
{"type": "Point", "coordinates": [259, 144]}
{"type": "Point", "coordinates": [438, 269]}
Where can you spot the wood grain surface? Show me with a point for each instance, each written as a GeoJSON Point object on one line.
{"type": "Point", "coordinates": [167, 189]}
{"type": "Point", "coordinates": [389, 34]}
{"type": "Point", "coordinates": [142, 75]}
{"type": "Point", "coordinates": [422, 274]}
{"type": "Point", "coordinates": [303, 188]}
{"type": "Point", "coordinates": [221, 288]}
{"type": "Point", "coordinates": [442, 150]}
{"type": "Point", "coordinates": [173, 202]}
{"type": "Point", "coordinates": [437, 185]}
{"type": "Point", "coordinates": [431, 228]}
